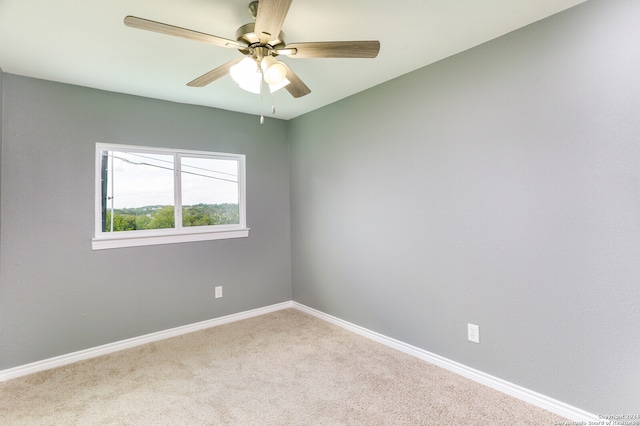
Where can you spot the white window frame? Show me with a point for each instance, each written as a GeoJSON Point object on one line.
{"type": "Point", "coordinates": [179, 234]}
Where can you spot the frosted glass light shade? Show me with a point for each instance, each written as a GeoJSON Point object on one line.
{"type": "Point", "coordinates": [247, 75]}
{"type": "Point", "coordinates": [274, 72]}
{"type": "Point", "coordinates": [276, 87]}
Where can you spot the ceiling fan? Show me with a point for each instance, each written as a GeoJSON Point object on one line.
{"type": "Point", "coordinates": [261, 42]}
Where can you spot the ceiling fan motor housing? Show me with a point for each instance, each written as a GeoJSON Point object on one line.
{"type": "Point", "coordinates": [247, 34]}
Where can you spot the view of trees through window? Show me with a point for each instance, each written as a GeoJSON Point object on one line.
{"type": "Point", "coordinates": [161, 217]}
{"type": "Point", "coordinates": [140, 191]}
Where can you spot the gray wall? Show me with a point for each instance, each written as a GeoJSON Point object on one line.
{"type": "Point", "coordinates": [499, 187]}
{"type": "Point", "coordinates": [1, 119]}
{"type": "Point", "coordinates": [59, 296]}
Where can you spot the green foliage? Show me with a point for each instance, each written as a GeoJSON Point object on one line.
{"type": "Point", "coordinates": [210, 214]}
{"type": "Point", "coordinates": [162, 217]}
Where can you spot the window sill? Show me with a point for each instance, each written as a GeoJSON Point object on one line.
{"type": "Point", "coordinates": [118, 241]}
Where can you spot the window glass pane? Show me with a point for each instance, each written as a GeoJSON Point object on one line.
{"type": "Point", "coordinates": [210, 193]}
{"type": "Point", "coordinates": [137, 191]}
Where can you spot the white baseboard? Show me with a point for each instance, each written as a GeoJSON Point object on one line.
{"type": "Point", "coordinates": [560, 408]}
{"type": "Point", "coordinates": [526, 395]}
{"type": "Point", "coordinates": [70, 358]}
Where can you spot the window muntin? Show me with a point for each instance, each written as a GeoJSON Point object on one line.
{"type": "Point", "coordinates": [155, 196]}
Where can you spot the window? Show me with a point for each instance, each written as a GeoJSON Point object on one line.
{"type": "Point", "coordinates": [150, 196]}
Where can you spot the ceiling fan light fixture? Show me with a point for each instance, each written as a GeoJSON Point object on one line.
{"type": "Point", "coordinates": [261, 41]}
{"type": "Point", "coordinates": [273, 70]}
{"type": "Point", "coordinates": [247, 75]}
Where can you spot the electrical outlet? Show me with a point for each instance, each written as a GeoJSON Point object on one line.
{"type": "Point", "coordinates": [218, 292]}
{"type": "Point", "coordinates": [473, 333]}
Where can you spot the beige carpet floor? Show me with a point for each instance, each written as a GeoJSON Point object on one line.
{"type": "Point", "coordinates": [283, 368]}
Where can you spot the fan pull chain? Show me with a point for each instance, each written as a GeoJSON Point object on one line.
{"type": "Point", "coordinates": [261, 97]}
{"type": "Point", "coordinates": [273, 104]}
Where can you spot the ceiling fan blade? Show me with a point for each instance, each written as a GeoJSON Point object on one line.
{"type": "Point", "coordinates": [158, 27]}
{"type": "Point", "coordinates": [334, 49]}
{"type": "Point", "coordinates": [213, 75]}
{"type": "Point", "coordinates": [270, 17]}
{"type": "Point", "coordinates": [296, 87]}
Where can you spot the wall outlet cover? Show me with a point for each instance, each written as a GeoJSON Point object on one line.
{"type": "Point", "coordinates": [473, 333]}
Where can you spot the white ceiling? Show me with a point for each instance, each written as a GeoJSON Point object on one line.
{"type": "Point", "coordinates": [85, 42]}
